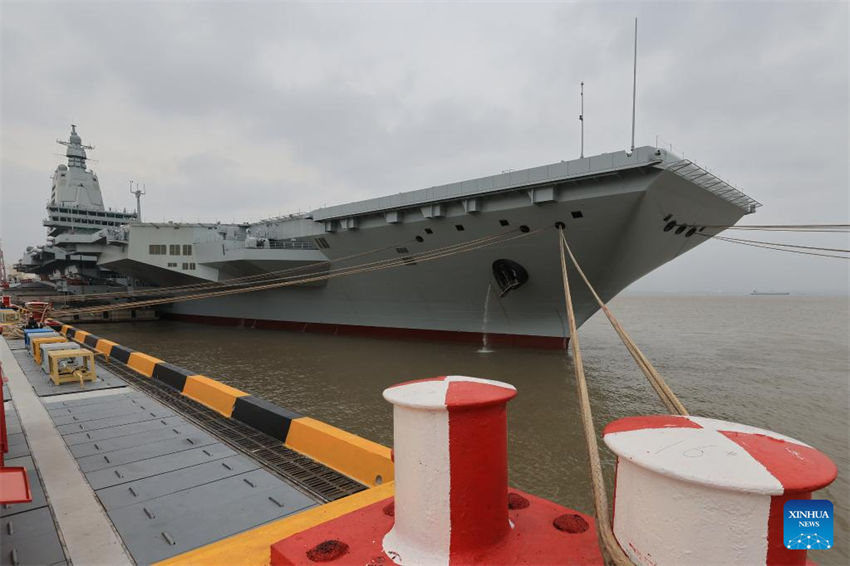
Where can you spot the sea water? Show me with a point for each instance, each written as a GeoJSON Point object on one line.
{"type": "Point", "coordinates": [776, 362]}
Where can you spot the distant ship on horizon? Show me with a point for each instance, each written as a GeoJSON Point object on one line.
{"type": "Point", "coordinates": [756, 292]}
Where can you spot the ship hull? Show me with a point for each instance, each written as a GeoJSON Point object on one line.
{"type": "Point", "coordinates": [615, 227]}
{"type": "Point", "coordinates": [483, 338]}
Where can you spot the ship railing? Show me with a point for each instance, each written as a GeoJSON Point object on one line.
{"type": "Point", "coordinates": [81, 208]}
{"type": "Point", "coordinates": [703, 178]}
{"type": "Point", "coordinates": [265, 243]}
{"type": "Point", "coordinates": [285, 244]}
{"type": "Point", "coordinates": [284, 217]}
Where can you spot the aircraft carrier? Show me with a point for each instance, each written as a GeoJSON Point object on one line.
{"type": "Point", "coordinates": [624, 214]}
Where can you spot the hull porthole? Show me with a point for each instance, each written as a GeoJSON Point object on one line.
{"type": "Point", "coordinates": [509, 275]}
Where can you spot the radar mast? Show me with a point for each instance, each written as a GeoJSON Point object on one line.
{"type": "Point", "coordinates": [76, 152]}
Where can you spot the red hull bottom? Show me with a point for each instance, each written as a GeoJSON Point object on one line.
{"type": "Point", "coordinates": [511, 340]}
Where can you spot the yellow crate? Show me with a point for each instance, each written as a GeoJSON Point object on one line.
{"type": "Point", "coordinates": [36, 342]}
{"type": "Point", "coordinates": [77, 374]}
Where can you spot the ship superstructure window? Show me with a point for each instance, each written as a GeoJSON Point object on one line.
{"type": "Point", "coordinates": [188, 266]}
{"type": "Point", "coordinates": [174, 249]}
{"type": "Point", "coordinates": [428, 231]}
{"type": "Point", "coordinates": [156, 249]}
{"type": "Point", "coordinates": [172, 264]}
{"type": "Point", "coordinates": [504, 222]}
{"type": "Point", "coordinates": [459, 227]}
{"type": "Point", "coordinates": [402, 250]}
{"type": "Point", "coordinates": [322, 243]}
{"type": "Point", "coordinates": [187, 249]}
{"type": "Point", "coordinates": [576, 214]}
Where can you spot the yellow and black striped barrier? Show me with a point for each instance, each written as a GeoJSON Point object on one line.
{"type": "Point", "coordinates": [358, 458]}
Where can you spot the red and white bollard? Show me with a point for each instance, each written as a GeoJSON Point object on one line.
{"type": "Point", "coordinates": [452, 504]}
{"type": "Point", "coordinates": [693, 490]}
{"type": "Point", "coordinates": [451, 462]}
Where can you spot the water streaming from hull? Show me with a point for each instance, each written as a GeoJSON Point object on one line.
{"type": "Point", "coordinates": [485, 345]}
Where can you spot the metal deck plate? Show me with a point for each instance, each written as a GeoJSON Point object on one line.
{"type": "Point", "coordinates": [19, 456]}
{"type": "Point", "coordinates": [96, 412]}
{"type": "Point", "coordinates": [144, 452]}
{"type": "Point", "coordinates": [103, 398]}
{"type": "Point", "coordinates": [16, 344]}
{"type": "Point", "coordinates": [44, 387]}
{"type": "Point", "coordinates": [109, 422]}
{"type": "Point", "coordinates": [31, 538]}
{"type": "Point", "coordinates": [13, 425]}
{"type": "Point", "coordinates": [167, 485]}
{"type": "Point", "coordinates": [317, 479]}
{"type": "Point", "coordinates": [123, 430]}
{"type": "Point", "coordinates": [107, 477]}
{"type": "Point", "coordinates": [137, 439]}
{"type": "Point", "coordinates": [17, 446]}
{"type": "Point", "coordinates": [171, 482]}
{"type": "Point", "coordinates": [174, 523]}
{"type": "Point", "coordinates": [108, 407]}
{"type": "Point", "coordinates": [54, 403]}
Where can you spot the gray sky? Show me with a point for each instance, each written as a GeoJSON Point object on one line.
{"type": "Point", "coordinates": [239, 111]}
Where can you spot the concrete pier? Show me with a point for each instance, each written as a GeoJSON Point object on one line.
{"type": "Point", "coordinates": [88, 534]}
{"type": "Point", "coordinates": [127, 479]}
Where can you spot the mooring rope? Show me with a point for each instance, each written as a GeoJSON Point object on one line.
{"type": "Point", "coordinates": [378, 265]}
{"type": "Point", "coordinates": [780, 247]}
{"type": "Point", "coordinates": [661, 388]}
{"type": "Point", "coordinates": [787, 227]}
{"type": "Point", "coordinates": [13, 331]}
{"type": "Point", "coordinates": [262, 277]}
{"type": "Point", "coordinates": [797, 246]}
{"type": "Point", "coordinates": [607, 541]}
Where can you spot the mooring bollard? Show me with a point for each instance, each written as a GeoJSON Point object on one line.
{"type": "Point", "coordinates": [452, 504]}
{"type": "Point", "coordinates": [693, 490]}
{"type": "Point", "coordinates": [450, 438]}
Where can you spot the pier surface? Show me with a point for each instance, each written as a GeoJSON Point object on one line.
{"type": "Point", "coordinates": [120, 477]}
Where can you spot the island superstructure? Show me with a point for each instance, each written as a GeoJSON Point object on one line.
{"type": "Point", "coordinates": [624, 214]}
{"type": "Point", "coordinates": [77, 222]}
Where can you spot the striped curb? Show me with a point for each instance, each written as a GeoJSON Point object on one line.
{"type": "Point", "coordinates": [367, 462]}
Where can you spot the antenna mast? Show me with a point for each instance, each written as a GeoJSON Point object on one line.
{"type": "Point", "coordinates": [138, 193]}
{"type": "Point", "coordinates": [634, 90]}
{"type": "Point", "coordinates": [4, 283]}
{"type": "Point", "coordinates": [581, 119]}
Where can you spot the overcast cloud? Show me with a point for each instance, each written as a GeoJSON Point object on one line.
{"type": "Point", "coordinates": [239, 111]}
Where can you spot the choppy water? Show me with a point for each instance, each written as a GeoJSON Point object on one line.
{"type": "Point", "coordinates": [781, 363]}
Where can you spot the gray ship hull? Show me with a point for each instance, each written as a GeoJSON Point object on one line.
{"type": "Point", "coordinates": [615, 225]}
{"type": "Point", "coordinates": [624, 214]}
